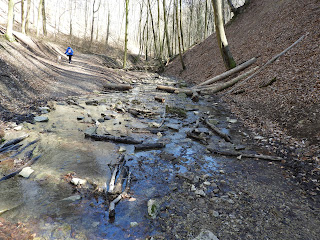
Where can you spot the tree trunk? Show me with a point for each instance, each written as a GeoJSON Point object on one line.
{"type": "Point", "coordinates": [28, 17]}
{"type": "Point", "coordinates": [180, 25]}
{"type": "Point", "coordinates": [23, 19]}
{"type": "Point", "coordinates": [9, 34]}
{"type": "Point", "coordinates": [221, 36]}
{"type": "Point", "coordinates": [166, 28]}
{"type": "Point", "coordinates": [44, 19]}
{"type": "Point", "coordinates": [178, 34]}
{"type": "Point", "coordinates": [39, 17]}
{"type": "Point", "coordinates": [108, 29]}
{"type": "Point", "coordinates": [153, 31]}
{"type": "Point", "coordinates": [126, 36]}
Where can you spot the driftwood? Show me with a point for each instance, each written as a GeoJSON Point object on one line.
{"type": "Point", "coordinates": [268, 63]}
{"type": "Point", "coordinates": [119, 87]}
{"type": "Point", "coordinates": [146, 146]}
{"type": "Point", "coordinates": [6, 145]}
{"type": "Point", "coordinates": [222, 86]}
{"type": "Point", "coordinates": [197, 137]}
{"type": "Point", "coordinates": [168, 89]}
{"type": "Point", "coordinates": [218, 132]}
{"type": "Point", "coordinates": [124, 194]}
{"type": "Point", "coordinates": [127, 140]}
{"type": "Point", "coordinates": [114, 175]}
{"type": "Point", "coordinates": [29, 163]}
{"type": "Point", "coordinates": [228, 73]}
{"type": "Point", "coordinates": [73, 102]}
{"type": "Point", "coordinates": [20, 151]}
{"type": "Point", "coordinates": [245, 155]}
{"type": "Point", "coordinates": [159, 99]}
{"type": "Point", "coordinates": [123, 173]}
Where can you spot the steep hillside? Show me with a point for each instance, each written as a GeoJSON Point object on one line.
{"type": "Point", "coordinates": [288, 110]}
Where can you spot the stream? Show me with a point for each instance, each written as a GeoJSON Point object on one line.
{"type": "Point", "coordinates": [194, 190]}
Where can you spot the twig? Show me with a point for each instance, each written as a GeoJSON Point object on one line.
{"type": "Point", "coordinates": [246, 155]}
{"type": "Point", "coordinates": [218, 132]}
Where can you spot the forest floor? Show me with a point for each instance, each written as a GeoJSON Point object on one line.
{"type": "Point", "coordinates": [287, 112]}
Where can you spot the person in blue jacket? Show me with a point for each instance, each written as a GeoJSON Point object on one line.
{"type": "Point", "coordinates": [69, 53]}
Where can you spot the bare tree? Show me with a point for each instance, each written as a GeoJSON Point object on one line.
{"type": "Point", "coordinates": [28, 16]}
{"type": "Point", "coordinates": [39, 17]}
{"type": "Point", "coordinates": [178, 35]}
{"type": "Point", "coordinates": [94, 11]}
{"type": "Point", "coordinates": [221, 36]}
{"type": "Point", "coordinates": [44, 18]}
{"type": "Point", "coordinates": [126, 36]}
{"type": "Point", "coordinates": [23, 18]}
{"type": "Point", "coordinates": [9, 34]}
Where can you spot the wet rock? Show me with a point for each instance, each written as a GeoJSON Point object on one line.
{"type": "Point", "coordinates": [215, 213]}
{"type": "Point", "coordinates": [200, 192]}
{"type": "Point", "coordinates": [122, 149]}
{"type": "Point", "coordinates": [18, 128]}
{"type": "Point", "coordinates": [44, 110]}
{"type": "Point", "coordinates": [91, 130]}
{"type": "Point", "coordinates": [154, 125]}
{"type": "Point", "coordinates": [80, 118]}
{"type": "Point", "coordinates": [26, 172]}
{"type": "Point", "coordinates": [206, 235]}
{"type": "Point", "coordinates": [78, 181]}
{"type": "Point", "coordinates": [193, 188]}
{"type": "Point", "coordinates": [41, 119]}
{"type": "Point", "coordinates": [134, 224]}
{"type": "Point", "coordinates": [101, 120]}
{"type": "Point", "coordinates": [153, 207]}
{"type": "Point", "coordinates": [174, 127]}
{"type": "Point", "coordinates": [239, 147]}
{"type": "Point", "coordinates": [72, 198]}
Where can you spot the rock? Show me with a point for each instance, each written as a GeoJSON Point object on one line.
{"type": "Point", "coordinates": [193, 188]}
{"type": "Point", "coordinates": [26, 172]}
{"type": "Point", "coordinates": [159, 134]}
{"type": "Point", "coordinates": [91, 130]}
{"type": "Point", "coordinates": [174, 127]}
{"type": "Point", "coordinates": [200, 192]}
{"type": "Point", "coordinates": [72, 198]}
{"type": "Point", "coordinates": [122, 149]}
{"type": "Point", "coordinates": [232, 120]}
{"type": "Point", "coordinates": [206, 183]}
{"type": "Point", "coordinates": [41, 119]}
{"type": "Point", "coordinates": [18, 128]}
{"type": "Point", "coordinates": [215, 213]}
{"type": "Point", "coordinates": [80, 118]}
{"type": "Point", "coordinates": [153, 208]}
{"type": "Point", "coordinates": [134, 224]}
{"type": "Point", "coordinates": [44, 109]}
{"type": "Point", "coordinates": [154, 125]}
{"type": "Point", "coordinates": [78, 181]}
{"type": "Point", "coordinates": [206, 235]}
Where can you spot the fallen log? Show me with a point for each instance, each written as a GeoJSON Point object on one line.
{"type": "Point", "coordinates": [220, 87]}
{"type": "Point", "coordinates": [168, 89]}
{"type": "Point", "coordinates": [267, 63]}
{"type": "Point", "coordinates": [146, 146]}
{"type": "Point", "coordinates": [228, 73]}
{"type": "Point", "coordinates": [119, 86]}
{"type": "Point", "coordinates": [218, 132]}
{"type": "Point", "coordinates": [245, 155]}
{"type": "Point", "coordinates": [127, 140]}
{"type": "Point", "coordinates": [123, 173]}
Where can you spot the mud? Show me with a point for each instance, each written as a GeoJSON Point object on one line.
{"type": "Point", "coordinates": [194, 190]}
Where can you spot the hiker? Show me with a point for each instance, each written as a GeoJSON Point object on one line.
{"type": "Point", "coordinates": [69, 53]}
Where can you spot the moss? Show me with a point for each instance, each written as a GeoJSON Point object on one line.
{"type": "Point", "coordinates": [176, 111]}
